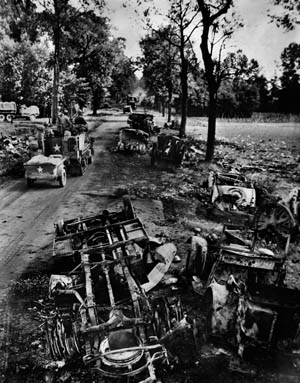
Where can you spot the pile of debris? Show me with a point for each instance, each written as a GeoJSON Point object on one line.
{"type": "Point", "coordinates": [14, 151]}
{"type": "Point", "coordinates": [245, 299]}
{"type": "Point", "coordinates": [132, 141]}
{"type": "Point", "coordinates": [103, 310]}
{"type": "Point", "coordinates": [137, 137]}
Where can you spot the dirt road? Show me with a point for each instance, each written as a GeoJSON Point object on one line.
{"type": "Point", "coordinates": [28, 214]}
{"type": "Point", "coordinates": [27, 228]}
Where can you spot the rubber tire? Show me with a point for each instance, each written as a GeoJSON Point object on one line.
{"type": "Point", "coordinates": [30, 182]}
{"type": "Point", "coordinates": [9, 117]}
{"type": "Point", "coordinates": [153, 155]}
{"type": "Point", "coordinates": [62, 180]}
{"type": "Point", "coordinates": [82, 167]}
{"type": "Point", "coordinates": [2, 117]}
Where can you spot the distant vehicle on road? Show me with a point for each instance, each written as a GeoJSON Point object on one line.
{"type": "Point", "coordinates": [9, 111]}
{"type": "Point", "coordinates": [132, 101]}
{"type": "Point", "coordinates": [127, 109]}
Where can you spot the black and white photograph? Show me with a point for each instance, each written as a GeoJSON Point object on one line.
{"type": "Point", "coordinates": [149, 191]}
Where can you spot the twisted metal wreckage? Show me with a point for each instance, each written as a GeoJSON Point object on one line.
{"type": "Point", "coordinates": [103, 312]}
{"type": "Point", "coordinates": [242, 272]}
{"type": "Point", "coordinates": [143, 137]}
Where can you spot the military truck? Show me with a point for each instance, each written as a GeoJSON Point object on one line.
{"type": "Point", "coordinates": [9, 111]}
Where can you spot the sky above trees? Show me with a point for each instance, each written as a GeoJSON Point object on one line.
{"type": "Point", "coordinates": [259, 39]}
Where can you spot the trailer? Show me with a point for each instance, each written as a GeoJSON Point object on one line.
{"type": "Point", "coordinates": [62, 155]}
{"type": "Point", "coordinates": [44, 168]}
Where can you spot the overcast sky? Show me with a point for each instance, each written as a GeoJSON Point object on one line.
{"type": "Point", "coordinates": [259, 38]}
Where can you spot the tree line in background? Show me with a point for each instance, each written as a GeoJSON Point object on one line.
{"type": "Point", "coordinates": [57, 53]}
{"type": "Point", "coordinates": [242, 89]}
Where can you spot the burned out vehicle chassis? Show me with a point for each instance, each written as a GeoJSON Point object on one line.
{"type": "Point", "coordinates": [231, 192]}
{"type": "Point", "coordinates": [235, 197]}
{"type": "Point", "coordinates": [103, 312]}
{"type": "Point", "coordinates": [245, 299]}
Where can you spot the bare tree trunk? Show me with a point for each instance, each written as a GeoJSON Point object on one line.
{"type": "Point", "coordinates": [57, 41]}
{"type": "Point", "coordinates": [208, 20]}
{"type": "Point", "coordinates": [54, 111]}
{"type": "Point", "coordinates": [95, 101]}
{"type": "Point", "coordinates": [211, 131]}
{"type": "Point", "coordinates": [184, 97]}
{"type": "Point", "coordinates": [163, 107]}
{"type": "Point", "coordinates": [169, 111]}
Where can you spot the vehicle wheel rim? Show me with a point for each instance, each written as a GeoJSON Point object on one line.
{"type": "Point", "coordinates": [276, 218]}
{"type": "Point", "coordinates": [2, 117]}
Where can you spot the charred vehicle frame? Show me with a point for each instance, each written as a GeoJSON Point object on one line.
{"type": "Point", "coordinates": [245, 299]}
{"type": "Point", "coordinates": [102, 310]}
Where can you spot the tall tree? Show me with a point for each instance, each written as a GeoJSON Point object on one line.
{"type": "Point", "coordinates": [289, 94]}
{"type": "Point", "coordinates": [96, 54]}
{"type": "Point", "coordinates": [24, 75]}
{"type": "Point", "coordinates": [239, 91]}
{"type": "Point", "coordinates": [161, 68]}
{"type": "Point", "coordinates": [286, 13]}
{"type": "Point", "coordinates": [123, 78]}
{"type": "Point", "coordinates": [183, 18]}
{"type": "Point", "coordinates": [216, 29]}
{"type": "Point", "coordinates": [21, 19]}
{"type": "Point", "coordinates": [56, 18]}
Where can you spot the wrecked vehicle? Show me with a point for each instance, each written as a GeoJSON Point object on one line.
{"type": "Point", "coordinates": [231, 192]}
{"type": "Point", "coordinates": [245, 299]}
{"type": "Point", "coordinates": [278, 220]}
{"type": "Point", "coordinates": [137, 138]}
{"type": "Point", "coordinates": [142, 121]}
{"type": "Point", "coordinates": [127, 109]}
{"type": "Point", "coordinates": [102, 311]}
{"type": "Point", "coordinates": [133, 141]}
{"type": "Point", "coordinates": [167, 150]}
{"type": "Point", "coordinates": [273, 218]}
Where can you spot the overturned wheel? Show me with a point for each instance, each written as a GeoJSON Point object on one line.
{"type": "Point", "coordinates": [274, 219]}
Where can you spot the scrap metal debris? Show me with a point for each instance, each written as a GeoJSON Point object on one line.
{"type": "Point", "coordinates": [244, 295]}
{"type": "Point", "coordinates": [102, 311]}
{"type": "Point", "coordinates": [137, 137]}
{"type": "Point", "coordinates": [132, 141]}
{"type": "Point", "coordinates": [13, 151]}
{"type": "Point", "coordinates": [232, 192]}
{"type": "Point", "coordinates": [168, 149]}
